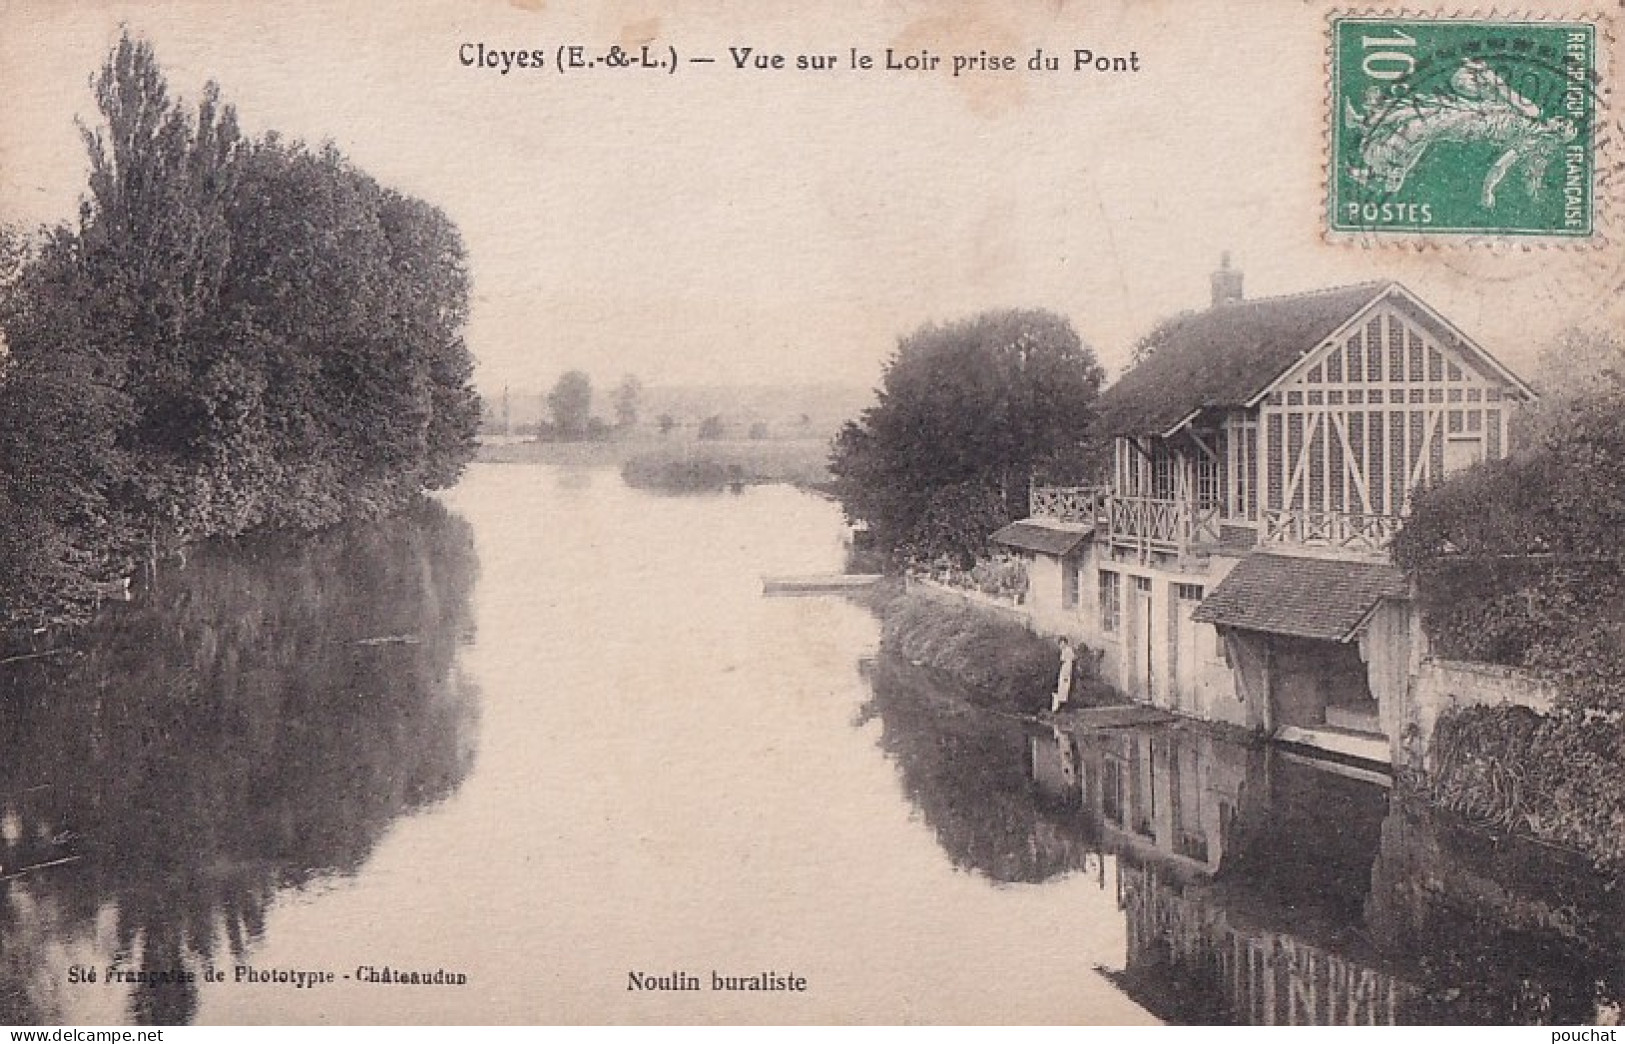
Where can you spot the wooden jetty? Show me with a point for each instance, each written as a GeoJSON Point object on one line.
{"type": "Point", "coordinates": [828, 583]}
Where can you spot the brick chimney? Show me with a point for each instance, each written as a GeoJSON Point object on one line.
{"type": "Point", "coordinates": [1226, 282]}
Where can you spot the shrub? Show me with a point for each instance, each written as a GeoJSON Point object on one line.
{"type": "Point", "coordinates": [1556, 778]}
{"type": "Point", "coordinates": [1001, 577]}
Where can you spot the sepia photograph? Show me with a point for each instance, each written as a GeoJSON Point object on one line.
{"type": "Point", "coordinates": [677, 512]}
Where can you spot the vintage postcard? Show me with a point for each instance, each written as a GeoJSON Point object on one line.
{"type": "Point", "coordinates": [1100, 512]}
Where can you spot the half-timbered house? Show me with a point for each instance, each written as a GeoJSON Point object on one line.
{"type": "Point", "coordinates": [1265, 454]}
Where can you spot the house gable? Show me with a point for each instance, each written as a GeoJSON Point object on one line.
{"type": "Point", "coordinates": [1392, 401]}
{"type": "Point", "coordinates": [1369, 350]}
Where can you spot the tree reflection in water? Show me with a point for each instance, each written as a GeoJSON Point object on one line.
{"type": "Point", "coordinates": [254, 722]}
{"type": "Point", "coordinates": [962, 767]}
{"type": "Point", "coordinates": [1256, 886]}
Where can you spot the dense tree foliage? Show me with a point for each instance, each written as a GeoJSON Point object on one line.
{"type": "Point", "coordinates": [1519, 561]}
{"type": "Point", "coordinates": [966, 413]}
{"type": "Point", "coordinates": [1579, 362]}
{"type": "Point", "coordinates": [570, 403]}
{"type": "Point", "coordinates": [237, 334]}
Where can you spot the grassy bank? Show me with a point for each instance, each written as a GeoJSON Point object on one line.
{"type": "Point", "coordinates": [699, 466]}
{"type": "Point", "coordinates": [678, 464]}
{"type": "Point", "coordinates": [1002, 663]}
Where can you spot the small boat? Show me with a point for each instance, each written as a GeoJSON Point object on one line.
{"type": "Point", "coordinates": [827, 583]}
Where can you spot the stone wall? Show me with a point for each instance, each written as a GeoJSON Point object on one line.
{"type": "Point", "coordinates": [967, 596]}
{"type": "Point", "coordinates": [1443, 685]}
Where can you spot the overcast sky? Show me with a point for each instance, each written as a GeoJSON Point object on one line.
{"type": "Point", "coordinates": [727, 227]}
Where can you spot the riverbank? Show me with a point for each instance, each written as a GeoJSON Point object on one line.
{"type": "Point", "coordinates": [679, 465]}
{"type": "Point", "coordinates": [1001, 663]}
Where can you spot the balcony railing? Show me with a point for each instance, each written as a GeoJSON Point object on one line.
{"type": "Point", "coordinates": [1342, 530]}
{"type": "Point", "coordinates": [1153, 524]}
{"type": "Point", "coordinates": [1173, 525]}
{"type": "Point", "coordinates": [1085, 504]}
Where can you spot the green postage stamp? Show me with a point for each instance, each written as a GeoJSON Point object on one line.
{"type": "Point", "coordinates": [1464, 126]}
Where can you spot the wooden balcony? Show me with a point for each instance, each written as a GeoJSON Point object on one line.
{"type": "Point", "coordinates": [1334, 530]}
{"type": "Point", "coordinates": [1144, 524]}
{"type": "Point", "coordinates": [1086, 504]}
{"type": "Point", "coordinates": [1173, 526]}
{"type": "Point", "coordinates": [1152, 524]}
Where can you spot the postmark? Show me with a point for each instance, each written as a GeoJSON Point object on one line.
{"type": "Point", "coordinates": [1449, 128]}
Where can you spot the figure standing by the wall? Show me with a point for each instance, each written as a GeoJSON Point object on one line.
{"type": "Point", "coordinates": [1063, 682]}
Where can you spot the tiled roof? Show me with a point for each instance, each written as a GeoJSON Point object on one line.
{"type": "Point", "coordinates": [1226, 355]}
{"type": "Point", "coordinates": [1050, 538]}
{"type": "Point", "coordinates": [1304, 597]}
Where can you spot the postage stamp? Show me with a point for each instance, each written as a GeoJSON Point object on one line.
{"type": "Point", "coordinates": [1464, 126]}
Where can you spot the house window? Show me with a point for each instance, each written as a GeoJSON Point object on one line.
{"type": "Point", "coordinates": [1242, 450]}
{"type": "Point", "coordinates": [1111, 600]}
{"type": "Point", "coordinates": [1162, 475]}
{"type": "Point", "coordinates": [1249, 470]}
{"type": "Point", "coordinates": [1069, 585]}
{"type": "Point", "coordinates": [1462, 452]}
{"type": "Point", "coordinates": [1208, 481]}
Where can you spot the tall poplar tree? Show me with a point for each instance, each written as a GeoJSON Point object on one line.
{"type": "Point", "coordinates": [237, 334]}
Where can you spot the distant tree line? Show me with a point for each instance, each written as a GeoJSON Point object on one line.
{"type": "Point", "coordinates": [237, 334]}
{"type": "Point", "coordinates": [570, 416]}
{"type": "Point", "coordinates": [569, 406]}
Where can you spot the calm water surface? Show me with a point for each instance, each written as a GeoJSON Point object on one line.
{"type": "Point", "coordinates": [551, 733]}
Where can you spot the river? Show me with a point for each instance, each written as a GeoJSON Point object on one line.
{"type": "Point", "coordinates": [548, 733]}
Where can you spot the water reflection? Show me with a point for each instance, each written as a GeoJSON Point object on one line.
{"type": "Point", "coordinates": [254, 724]}
{"type": "Point", "coordinates": [957, 769]}
{"type": "Point", "coordinates": [667, 778]}
{"type": "Point", "coordinates": [1258, 887]}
